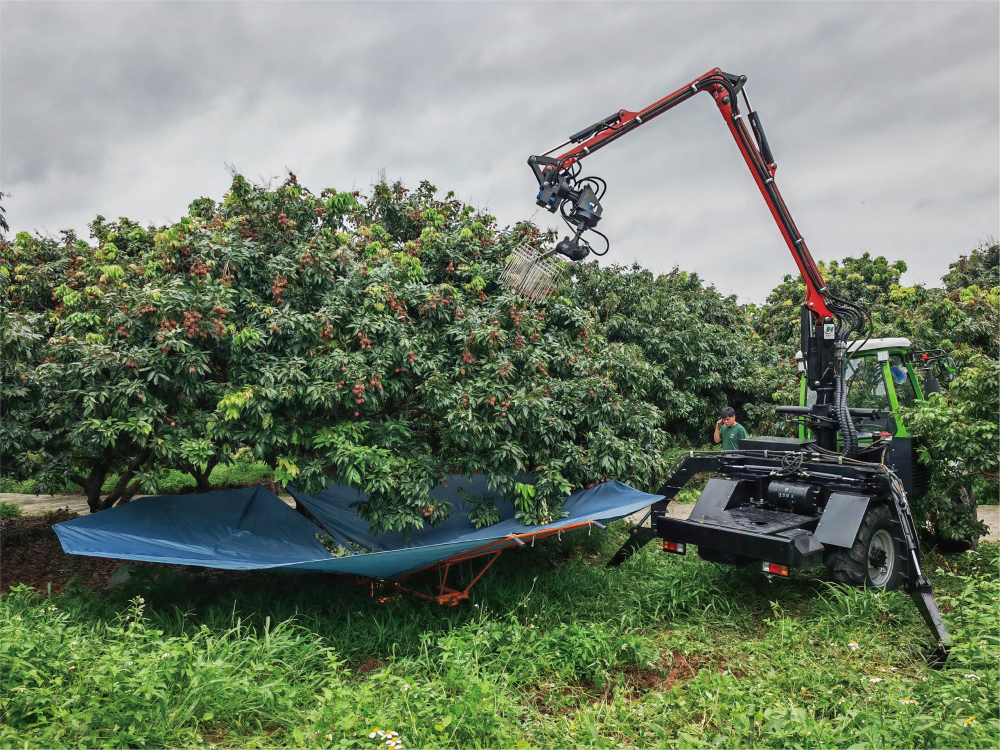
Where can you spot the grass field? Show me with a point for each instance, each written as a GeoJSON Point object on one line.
{"type": "Point", "coordinates": [554, 650]}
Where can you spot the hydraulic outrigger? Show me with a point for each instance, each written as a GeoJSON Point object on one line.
{"type": "Point", "coordinates": [787, 503]}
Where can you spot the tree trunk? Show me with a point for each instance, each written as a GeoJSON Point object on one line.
{"type": "Point", "coordinates": [91, 488]}
{"type": "Point", "coordinates": [123, 491]}
{"type": "Point", "coordinates": [300, 508]}
{"type": "Point", "coordinates": [201, 477]}
{"type": "Point", "coordinates": [92, 483]}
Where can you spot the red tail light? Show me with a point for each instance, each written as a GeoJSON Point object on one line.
{"type": "Point", "coordinates": [678, 548]}
{"type": "Point", "coordinates": [775, 569]}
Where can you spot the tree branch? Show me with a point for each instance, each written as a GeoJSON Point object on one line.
{"type": "Point", "coordinates": [123, 481]}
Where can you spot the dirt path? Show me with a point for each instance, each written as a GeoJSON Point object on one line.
{"type": "Point", "coordinates": [988, 514]}
{"type": "Point", "coordinates": [76, 503]}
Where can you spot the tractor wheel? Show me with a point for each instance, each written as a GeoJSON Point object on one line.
{"type": "Point", "coordinates": [964, 502]}
{"type": "Point", "coordinates": [877, 559]}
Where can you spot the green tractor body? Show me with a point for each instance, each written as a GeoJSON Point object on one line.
{"type": "Point", "coordinates": [885, 375]}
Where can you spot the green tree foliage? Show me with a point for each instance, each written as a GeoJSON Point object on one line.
{"type": "Point", "coordinates": [109, 365]}
{"type": "Point", "coordinates": [367, 341]}
{"type": "Point", "coordinates": [376, 348]}
{"type": "Point", "coordinates": [980, 268]}
{"type": "Point", "coordinates": [705, 351]}
{"type": "Point", "coordinates": [363, 342]}
{"type": "Point", "coordinates": [870, 282]}
{"type": "Point", "coordinates": [959, 435]}
{"type": "Point", "coordinates": [4, 227]}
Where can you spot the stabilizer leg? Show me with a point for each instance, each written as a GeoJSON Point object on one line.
{"type": "Point", "coordinates": [928, 609]}
{"type": "Point", "coordinates": [683, 470]}
{"type": "Point", "coordinates": [918, 585]}
{"type": "Point", "coordinates": [640, 536]}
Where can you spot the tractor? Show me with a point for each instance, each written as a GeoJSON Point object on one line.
{"type": "Point", "coordinates": [883, 374]}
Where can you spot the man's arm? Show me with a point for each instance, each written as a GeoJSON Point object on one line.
{"type": "Point", "coordinates": [718, 424]}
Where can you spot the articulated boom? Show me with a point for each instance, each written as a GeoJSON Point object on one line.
{"type": "Point", "coordinates": [552, 172]}
{"type": "Point", "coordinates": [782, 502]}
{"type": "Point", "coordinates": [827, 322]}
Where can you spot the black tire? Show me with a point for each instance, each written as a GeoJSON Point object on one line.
{"type": "Point", "coordinates": [964, 502]}
{"type": "Point", "coordinates": [854, 566]}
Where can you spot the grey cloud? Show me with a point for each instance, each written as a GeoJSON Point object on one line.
{"type": "Point", "coordinates": [883, 117]}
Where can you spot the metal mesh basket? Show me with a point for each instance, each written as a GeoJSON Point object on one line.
{"type": "Point", "coordinates": [530, 274]}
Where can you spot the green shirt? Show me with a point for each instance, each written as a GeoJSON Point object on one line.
{"type": "Point", "coordinates": [731, 436]}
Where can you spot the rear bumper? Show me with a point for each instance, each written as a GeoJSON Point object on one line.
{"type": "Point", "coordinates": [728, 534]}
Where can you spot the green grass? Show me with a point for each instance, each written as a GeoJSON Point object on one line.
{"type": "Point", "coordinates": [10, 510]}
{"type": "Point", "coordinates": [554, 651]}
{"type": "Point", "coordinates": [234, 475]}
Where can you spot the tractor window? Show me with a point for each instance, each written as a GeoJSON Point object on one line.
{"type": "Point", "coordinates": [865, 385]}
{"type": "Point", "coordinates": [901, 379]}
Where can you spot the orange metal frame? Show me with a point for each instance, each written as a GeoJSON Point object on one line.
{"type": "Point", "coordinates": [492, 550]}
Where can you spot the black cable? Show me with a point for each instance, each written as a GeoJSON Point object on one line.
{"type": "Point", "coordinates": [602, 184]}
{"type": "Point", "coordinates": [606, 240]}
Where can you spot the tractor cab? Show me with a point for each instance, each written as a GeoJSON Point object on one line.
{"type": "Point", "coordinates": [884, 374]}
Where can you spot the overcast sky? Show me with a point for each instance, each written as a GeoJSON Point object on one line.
{"type": "Point", "coordinates": [884, 118]}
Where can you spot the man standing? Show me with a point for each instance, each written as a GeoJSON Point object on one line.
{"type": "Point", "coordinates": [728, 431]}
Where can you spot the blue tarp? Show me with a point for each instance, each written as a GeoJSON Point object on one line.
{"type": "Point", "coordinates": [252, 529]}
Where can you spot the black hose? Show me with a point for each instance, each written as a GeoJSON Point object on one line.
{"type": "Point", "coordinates": [848, 432]}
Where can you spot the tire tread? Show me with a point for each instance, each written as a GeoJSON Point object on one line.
{"type": "Point", "coordinates": [848, 565]}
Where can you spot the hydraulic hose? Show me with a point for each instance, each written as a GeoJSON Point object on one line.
{"type": "Point", "coordinates": [848, 432]}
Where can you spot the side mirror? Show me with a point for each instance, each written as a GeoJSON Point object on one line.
{"type": "Point", "coordinates": [931, 385]}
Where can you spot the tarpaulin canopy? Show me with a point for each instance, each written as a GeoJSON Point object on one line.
{"type": "Point", "coordinates": [251, 529]}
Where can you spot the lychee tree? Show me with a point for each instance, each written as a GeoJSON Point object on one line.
{"type": "Point", "coordinates": [101, 377]}
{"type": "Point", "coordinates": [374, 346]}
{"type": "Point", "coordinates": [704, 349]}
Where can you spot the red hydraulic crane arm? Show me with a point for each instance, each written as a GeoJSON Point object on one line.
{"type": "Point", "coordinates": [725, 89]}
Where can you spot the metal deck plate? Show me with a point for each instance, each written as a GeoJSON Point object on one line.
{"type": "Point", "coordinates": [755, 520]}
